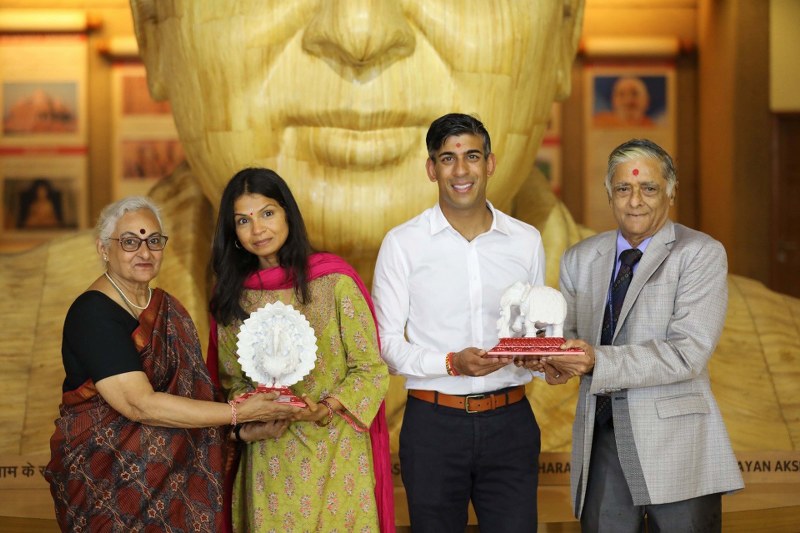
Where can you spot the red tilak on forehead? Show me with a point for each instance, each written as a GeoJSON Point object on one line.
{"type": "Point", "coordinates": [458, 145]}
{"type": "Point", "coordinates": [141, 230]}
{"type": "Point", "coordinates": [635, 171]}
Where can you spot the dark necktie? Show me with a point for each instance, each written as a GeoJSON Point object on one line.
{"type": "Point", "coordinates": [619, 288]}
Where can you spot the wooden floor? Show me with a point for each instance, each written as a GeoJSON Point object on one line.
{"type": "Point", "coordinates": [10, 524]}
{"type": "Point", "coordinates": [779, 520]}
{"type": "Point", "coordinates": [760, 508]}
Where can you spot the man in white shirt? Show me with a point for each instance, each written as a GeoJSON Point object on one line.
{"type": "Point", "coordinates": [468, 431]}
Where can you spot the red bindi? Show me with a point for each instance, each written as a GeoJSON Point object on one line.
{"type": "Point", "coordinates": [635, 171]}
{"type": "Point", "coordinates": [458, 145]}
{"type": "Point", "coordinates": [141, 231]}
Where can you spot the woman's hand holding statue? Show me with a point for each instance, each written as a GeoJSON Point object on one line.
{"type": "Point", "coordinates": [262, 407]}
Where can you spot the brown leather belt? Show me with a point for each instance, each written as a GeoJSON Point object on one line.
{"type": "Point", "coordinates": [472, 403]}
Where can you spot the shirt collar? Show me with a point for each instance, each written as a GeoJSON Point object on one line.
{"type": "Point", "coordinates": [439, 221]}
{"type": "Point", "coordinates": [623, 245]}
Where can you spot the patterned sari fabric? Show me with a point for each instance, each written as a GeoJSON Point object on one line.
{"type": "Point", "coordinates": [315, 478]}
{"type": "Point", "coordinates": [108, 473]}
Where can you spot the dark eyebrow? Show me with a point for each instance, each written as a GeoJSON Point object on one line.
{"type": "Point", "coordinates": [468, 152]}
{"type": "Point", "coordinates": [267, 206]}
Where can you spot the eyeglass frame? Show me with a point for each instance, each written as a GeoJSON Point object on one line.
{"type": "Point", "coordinates": [161, 238]}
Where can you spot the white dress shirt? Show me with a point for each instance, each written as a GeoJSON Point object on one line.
{"type": "Point", "coordinates": [435, 292]}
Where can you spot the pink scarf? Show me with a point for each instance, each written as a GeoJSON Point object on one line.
{"type": "Point", "coordinates": [322, 264]}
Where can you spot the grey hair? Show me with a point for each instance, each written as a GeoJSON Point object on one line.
{"type": "Point", "coordinates": [636, 148]}
{"type": "Point", "coordinates": [110, 215]}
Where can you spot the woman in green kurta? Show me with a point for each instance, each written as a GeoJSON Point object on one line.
{"type": "Point", "coordinates": [318, 473]}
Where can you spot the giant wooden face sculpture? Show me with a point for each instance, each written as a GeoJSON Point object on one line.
{"type": "Point", "coordinates": [337, 95]}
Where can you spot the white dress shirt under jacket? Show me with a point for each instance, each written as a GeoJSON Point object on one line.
{"type": "Point", "coordinates": [435, 292]}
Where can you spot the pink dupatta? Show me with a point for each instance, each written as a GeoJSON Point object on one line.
{"type": "Point", "coordinates": [322, 264]}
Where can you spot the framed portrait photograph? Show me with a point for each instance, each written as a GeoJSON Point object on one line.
{"type": "Point", "coordinates": [630, 101]}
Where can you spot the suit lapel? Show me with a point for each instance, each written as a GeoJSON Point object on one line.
{"type": "Point", "coordinates": [657, 251]}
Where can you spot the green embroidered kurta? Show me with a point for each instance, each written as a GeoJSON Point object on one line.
{"type": "Point", "coordinates": [314, 478]}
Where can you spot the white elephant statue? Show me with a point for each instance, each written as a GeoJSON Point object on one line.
{"type": "Point", "coordinates": [544, 308]}
{"type": "Point", "coordinates": [510, 320]}
{"type": "Point", "coordinates": [526, 309]}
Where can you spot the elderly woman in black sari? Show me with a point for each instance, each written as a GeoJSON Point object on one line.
{"type": "Point", "coordinates": [138, 445]}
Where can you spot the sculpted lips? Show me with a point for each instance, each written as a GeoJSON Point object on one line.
{"type": "Point", "coordinates": [356, 141]}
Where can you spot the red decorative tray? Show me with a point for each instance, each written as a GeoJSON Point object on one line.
{"type": "Point", "coordinates": [531, 347]}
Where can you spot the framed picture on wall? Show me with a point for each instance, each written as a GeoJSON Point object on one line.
{"type": "Point", "coordinates": [43, 91]}
{"type": "Point", "coordinates": [136, 99]}
{"type": "Point", "coordinates": [40, 108]}
{"type": "Point", "coordinates": [146, 147]}
{"type": "Point", "coordinates": [44, 203]}
{"type": "Point", "coordinates": [145, 159]}
{"type": "Point", "coordinates": [548, 156]}
{"type": "Point", "coordinates": [548, 161]}
{"type": "Point", "coordinates": [630, 101]}
{"type": "Point", "coordinates": [43, 136]}
{"type": "Point", "coordinates": [553, 129]}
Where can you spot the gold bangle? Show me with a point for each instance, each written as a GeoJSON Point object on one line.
{"type": "Point", "coordinates": [328, 418]}
{"type": "Point", "coordinates": [232, 403]}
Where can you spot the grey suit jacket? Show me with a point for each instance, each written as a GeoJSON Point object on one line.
{"type": "Point", "coordinates": [672, 441]}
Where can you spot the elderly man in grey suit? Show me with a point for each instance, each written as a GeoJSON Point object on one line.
{"type": "Point", "coordinates": [646, 302]}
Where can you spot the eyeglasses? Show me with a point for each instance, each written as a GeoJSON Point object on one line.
{"type": "Point", "coordinates": [131, 243]}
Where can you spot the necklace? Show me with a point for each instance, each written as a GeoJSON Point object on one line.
{"type": "Point", "coordinates": [130, 303]}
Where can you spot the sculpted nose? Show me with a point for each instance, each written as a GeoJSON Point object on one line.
{"type": "Point", "coordinates": [359, 34]}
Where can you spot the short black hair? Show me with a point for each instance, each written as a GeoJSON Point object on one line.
{"type": "Point", "coordinates": [455, 124]}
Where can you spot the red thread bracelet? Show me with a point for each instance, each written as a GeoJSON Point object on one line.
{"type": "Point", "coordinates": [449, 366]}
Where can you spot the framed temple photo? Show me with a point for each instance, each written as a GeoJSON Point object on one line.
{"type": "Point", "coordinates": [40, 108]}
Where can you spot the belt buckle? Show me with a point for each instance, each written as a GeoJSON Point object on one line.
{"type": "Point", "coordinates": [472, 397]}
